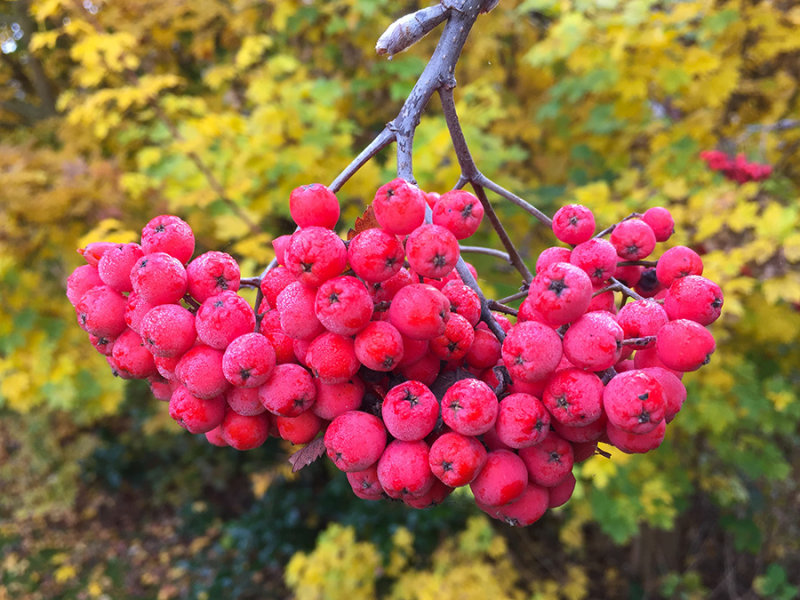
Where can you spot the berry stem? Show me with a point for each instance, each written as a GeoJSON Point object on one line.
{"type": "Point", "coordinates": [512, 297]}
{"type": "Point", "coordinates": [640, 341]}
{"type": "Point", "coordinates": [621, 287]}
{"type": "Point", "coordinates": [637, 263]}
{"type": "Point", "coordinates": [502, 308]}
{"type": "Point", "coordinates": [611, 228]}
{"type": "Point", "coordinates": [487, 251]}
{"type": "Point", "coordinates": [252, 282]}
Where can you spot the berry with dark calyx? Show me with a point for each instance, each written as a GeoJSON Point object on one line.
{"type": "Point", "coordinates": [212, 273]}
{"type": "Point", "coordinates": [432, 251]}
{"type": "Point", "coordinates": [463, 300]}
{"type": "Point", "coordinates": [289, 391]}
{"type": "Point", "coordinates": [115, 266]}
{"type": "Point", "coordinates": [455, 341]}
{"type": "Point", "coordinates": [636, 443]}
{"type": "Point", "coordinates": [456, 459]}
{"type": "Point", "coordinates": [574, 397]}
{"type": "Point", "coordinates": [410, 411]}
{"type": "Point", "coordinates": [684, 345]}
{"type": "Point", "coordinates": [168, 330]}
{"type": "Point", "coordinates": [528, 508]}
{"type": "Point", "coordinates": [573, 224]}
{"type": "Point", "coordinates": [314, 255]}
{"type": "Point", "coordinates": [159, 278]}
{"type": "Point", "coordinates": [549, 256]}
{"type": "Point", "coordinates": [131, 357]}
{"type": "Point", "coordinates": [103, 345]}
{"type": "Point", "coordinates": [399, 206]}
{"type": "Point", "coordinates": [503, 479]}
{"type": "Point", "coordinates": [469, 407]}
{"type": "Point", "coordinates": [170, 234]}
{"type": "Point", "coordinates": [245, 432]}
{"type": "Point", "coordinates": [660, 221]}
{"type": "Point", "coordinates": [248, 360]}
{"type": "Point", "coordinates": [365, 483]}
{"type": "Point", "coordinates": [343, 305]}
{"type": "Point", "coordinates": [314, 205]}
{"type": "Point", "coordinates": [101, 312]}
{"type": "Point", "coordinates": [333, 399]}
{"type": "Point", "coordinates": [332, 358]}
{"type": "Point", "coordinates": [300, 429]}
{"type": "Point", "coordinates": [403, 469]}
{"type": "Point", "coordinates": [419, 311]}
{"type": "Point", "coordinates": [459, 211]}
{"type": "Point", "coordinates": [355, 440]}
{"type": "Point", "coordinates": [694, 297]}
{"type": "Point", "coordinates": [375, 255]}
{"type": "Point", "coordinates": [676, 262]}
{"type": "Point", "coordinates": [597, 258]}
{"type": "Point", "coordinates": [379, 346]}
{"type": "Point", "coordinates": [531, 351]}
{"type": "Point", "coordinates": [522, 421]}
{"type": "Point", "coordinates": [274, 282]}
{"type": "Point", "coordinates": [633, 239]}
{"type": "Point", "coordinates": [223, 318]}
{"type": "Point", "coordinates": [594, 341]}
{"type": "Point", "coordinates": [244, 401]}
{"type": "Point", "coordinates": [82, 279]}
{"type": "Point", "coordinates": [548, 462]}
{"type": "Point", "coordinates": [673, 389]}
{"type": "Point", "coordinates": [194, 414]}
{"type": "Point", "coordinates": [200, 371]}
{"type": "Point", "coordinates": [384, 291]}
{"type": "Point", "coordinates": [642, 318]}
{"type": "Point", "coordinates": [561, 493]}
{"type": "Point", "coordinates": [560, 293]}
{"type": "Point", "coordinates": [634, 401]}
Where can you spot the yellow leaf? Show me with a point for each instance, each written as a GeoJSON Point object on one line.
{"type": "Point", "coordinates": [65, 573]}
{"type": "Point", "coordinates": [251, 50]}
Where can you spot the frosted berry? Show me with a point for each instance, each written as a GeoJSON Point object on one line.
{"type": "Point", "coordinates": [296, 307]}
{"type": "Point", "coordinates": [574, 397]}
{"type": "Point", "coordinates": [660, 221]}
{"type": "Point", "coordinates": [168, 330]}
{"type": "Point", "coordinates": [419, 311]}
{"type": "Point", "coordinates": [463, 300]}
{"type": "Point", "coordinates": [274, 282]}
{"type": "Point", "coordinates": [289, 391]}
{"type": "Point", "coordinates": [399, 206]}
{"type": "Point", "coordinates": [343, 305]}
{"type": "Point", "coordinates": [200, 370]}
{"type": "Point", "coordinates": [551, 255]}
{"type": "Point", "coordinates": [676, 262]}
{"type": "Point", "coordinates": [248, 360]}
{"type": "Point", "coordinates": [135, 310]}
{"type": "Point", "coordinates": [403, 469]}
{"type": "Point", "coordinates": [332, 358]}
{"type": "Point", "coordinates": [365, 483]}
{"type": "Point", "coordinates": [159, 278]}
{"type": "Point", "coordinates": [503, 479]}
{"type": "Point", "coordinates": [355, 440]}
{"type": "Point", "coordinates": [455, 341]}
{"type": "Point", "coordinates": [522, 421]}
{"type": "Point", "coordinates": [314, 205]}
{"type": "Point", "coordinates": [484, 351]}
{"type": "Point", "coordinates": [410, 411]}
{"type": "Point", "coordinates": [597, 258]}
{"type": "Point", "coordinates": [375, 255]}
{"type": "Point", "coordinates": [383, 291]}
{"type": "Point", "coordinates": [684, 345]}
{"type": "Point", "coordinates": [244, 401]}
{"type": "Point", "coordinates": [459, 211]}
{"type": "Point", "coordinates": [548, 462]}
{"type": "Point", "coordinates": [333, 399]}
{"type": "Point", "coordinates": [560, 293]}
{"type": "Point", "coordinates": [469, 407]}
{"type": "Point", "coordinates": [101, 312]}
{"type": "Point", "coordinates": [194, 414]}
{"type": "Point", "coordinates": [82, 279]}
{"type": "Point", "coordinates": [573, 224]}
{"type": "Point", "coordinates": [131, 357]}
{"type": "Point", "coordinates": [634, 401]}
{"type": "Point", "coordinates": [170, 234]}
{"type": "Point", "coordinates": [103, 345]}
{"type": "Point", "coordinates": [642, 318]}
{"type": "Point", "coordinates": [212, 273]}
{"type": "Point", "coordinates": [633, 239]}
{"type": "Point", "coordinates": [585, 433]}
{"type": "Point", "coordinates": [115, 266]}
{"type": "Point", "coordinates": [456, 459]}
{"type": "Point", "coordinates": [531, 351]}
{"type": "Point", "coordinates": [245, 432]}
{"type": "Point", "coordinates": [673, 390]}
{"type": "Point", "coordinates": [300, 429]}
{"type": "Point", "coordinates": [432, 251]}
{"type": "Point", "coordinates": [223, 318]}
{"type": "Point", "coordinates": [93, 252]}
{"type": "Point", "coordinates": [379, 346]}
{"type": "Point", "coordinates": [695, 298]}
{"type": "Point", "coordinates": [282, 344]}
{"type": "Point", "coordinates": [314, 255]}
{"type": "Point", "coordinates": [594, 341]}
{"type": "Point", "coordinates": [636, 443]}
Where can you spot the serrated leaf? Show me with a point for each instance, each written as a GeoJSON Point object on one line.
{"type": "Point", "coordinates": [307, 455]}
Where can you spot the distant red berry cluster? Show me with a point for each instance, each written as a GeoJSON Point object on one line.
{"type": "Point", "coordinates": [378, 350]}
{"type": "Point", "coordinates": [737, 168]}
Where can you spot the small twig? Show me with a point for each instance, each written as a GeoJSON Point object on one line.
{"type": "Point", "coordinates": [611, 228]}
{"type": "Point", "coordinates": [487, 251]}
{"type": "Point", "coordinates": [639, 342]}
{"type": "Point", "coordinates": [252, 282]}
{"type": "Point", "coordinates": [514, 199]}
{"type": "Point", "coordinates": [191, 302]}
{"type": "Point", "coordinates": [512, 297]}
{"type": "Point", "coordinates": [637, 263]}
{"type": "Point", "coordinates": [621, 287]}
{"type": "Point", "coordinates": [602, 453]}
{"type": "Point", "coordinates": [383, 139]}
{"type": "Point", "coordinates": [502, 308]}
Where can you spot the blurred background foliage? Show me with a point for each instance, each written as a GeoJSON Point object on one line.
{"type": "Point", "coordinates": [113, 112]}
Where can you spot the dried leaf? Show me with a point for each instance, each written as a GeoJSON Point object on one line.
{"type": "Point", "coordinates": [364, 222]}
{"type": "Point", "coordinates": [308, 454]}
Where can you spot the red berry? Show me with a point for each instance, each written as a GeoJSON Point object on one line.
{"type": "Point", "coordinates": [503, 479]}
{"type": "Point", "coordinates": [223, 318]}
{"type": "Point", "coordinates": [384, 291]}
{"type": "Point", "coordinates": [399, 206]}
{"type": "Point", "coordinates": [379, 346]}
{"type": "Point", "coordinates": [365, 483]}
{"type": "Point", "coordinates": [355, 440]}
{"type": "Point", "coordinates": [375, 255]}
{"type": "Point", "coordinates": [214, 437]}
{"type": "Point", "coordinates": [673, 390]}
{"type": "Point", "coordinates": [660, 221]}
{"type": "Point", "coordinates": [695, 298]}
{"type": "Point", "coordinates": [159, 278]}
{"type": "Point", "coordinates": [410, 411]}
{"type": "Point", "coordinates": [212, 273]}
{"type": "Point", "coordinates": [333, 399]}
{"type": "Point", "coordinates": [314, 255]}
{"type": "Point", "coordinates": [586, 433]}
{"type": "Point", "coordinates": [170, 234]}
{"type": "Point", "coordinates": [244, 401]}
{"type": "Point", "coordinates": [274, 282]}
{"type": "Point", "coordinates": [594, 341]}
{"type": "Point", "coordinates": [270, 327]}
{"type": "Point", "coordinates": [200, 370]}
{"type": "Point", "coordinates": [560, 293]}
{"type": "Point", "coordinates": [343, 305]}
{"type": "Point", "coordinates": [676, 262]}
{"type": "Point", "coordinates": [168, 330]}
{"type": "Point", "coordinates": [403, 469]}
{"type": "Point", "coordinates": [574, 397]}
{"type": "Point", "coordinates": [552, 255]}
{"type": "Point", "coordinates": [194, 414]}
{"type": "Point", "coordinates": [522, 421]}
{"type": "Point", "coordinates": [425, 369]}
{"type": "Point", "coordinates": [642, 318]}
{"type": "Point", "coordinates": [549, 462]}
{"type": "Point", "coordinates": [103, 345]}
{"type": "Point", "coordinates": [455, 341]}
{"type": "Point", "coordinates": [633, 239]}
{"type": "Point", "coordinates": [435, 495]}
{"type": "Point", "coordinates": [332, 358]}
{"type": "Point", "coordinates": [245, 432]}
{"type": "Point", "coordinates": [531, 351]}
{"type": "Point", "coordinates": [295, 305]}
{"type": "Point", "coordinates": [559, 494]}
{"type": "Point", "coordinates": [684, 345]}
{"type": "Point", "coordinates": [456, 459]}
{"type": "Point", "coordinates": [527, 509]}
{"type": "Point", "coordinates": [484, 351]}
{"type": "Point", "coordinates": [93, 252]}
{"type": "Point", "coordinates": [314, 205]}
{"type": "Point", "coordinates": [463, 300]}
{"type": "Point", "coordinates": [135, 310]}
{"type": "Point", "coordinates": [636, 443]}
{"type": "Point", "coordinates": [573, 224]}
{"type": "Point", "coordinates": [248, 360]}
{"type": "Point", "coordinates": [432, 251]}
{"type": "Point", "coordinates": [131, 357]}
{"type": "Point", "coordinates": [116, 263]}
{"type": "Point", "coordinates": [459, 211]}
{"type": "Point", "coordinates": [101, 312]}
{"type": "Point", "coordinates": [597, 258]}
{"type": "Point", "coordinates": [419, 311]}
{"type": "Point", "coordinates": [81, 280]}
{"type": "Point", "coordinates": [300, 429]}
{"type": "Point", "coordinates": [289, 391]}
{"type": "Point", "coordinates": [469, 407]}
{"type": "Point", "coordinates": [634, 401]}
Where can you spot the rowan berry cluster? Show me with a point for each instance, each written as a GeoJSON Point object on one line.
{"type": "Point", "coordinates": [378, 350]}
{"type": "Point", "coordinates": [737, 168]}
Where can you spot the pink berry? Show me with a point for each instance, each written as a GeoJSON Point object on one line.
{"type": "Point", "coordinates": [379, 346]}
{"type": "Point", "coordinates": [214, 437]}
{"type": "Point", "coordinates": [245, 432]}
{"type": "Point", "coordinates": [403, 469]}
{"type": "Point", "coordinates": [456, 459]}
{"type": "Point", "coordinates": [343, 305]}
{"type": "Point", "coordinates": [248, 360]}
{"type": "Point", "coordinates": [375, 255]}
{"type": "Point", "coordinates": [435, 495]}
{"type": "Point", "coordinates": [410, 411]}
{"type": "Point", "coordinates": [223, 318]}
{"type": "Point", "coordinates": [503, 479]}
{"type": "Point", "coordinates": [636, 443]}
{"type": "Point", "coordinates": [676, 262]}
{"type": "Point", "coordinates": [289, 391]}
{"type": "Point", "coordinates": [484, 351]}
{"type": "Point", "coordinates": [574, 397]}
{"type": "Point", "coordinates": [522, 421]}
{"type": "Point", "coordinates": [355, 440]}
{"type": "Point", "coordinates": [573, 224]}
{"type": "Point", "coordinates": [597, 258]}
{"type": "Point", "coordinates": [634, 401]}
{"type": "Point", "coordinates": [93, 252]}
{"type": "Point", "coordinates": [103, 345]}
{"type": "Point", "coordinates": [274, 282]}
{"type": "Point", "coordinates": [594, 341]}
{"type": "Point", "coordinates": [548, 462]}
{"type": "Point", "coordinates": [131, 356]}
{"type": "Point", "coordinates": [296, 304]}
{"type": "Point", "coordinates": [455, 341]}
{"type": "Point", "coordinates": [684, 345]}
{"type": "Point", "coordinates": [159, 278]}
{"type": "Point", "coordinates": [642, 318]}
{"type": "Point", "coordinates": [695, 298]}
{"type": "Point", "coordinates": [135, 310]}
{"type": "Point", "coordinates": [459, 211]}
{"type": "Point", "coordinates": [244, 401]}
{"type": "Point", "coordinates": [586, 433]}
{"type": "Point", "coordinates": [170, 234]}
{"type": "Point", "coordinates": [160, 388]}
{"type": "Point", "coordinates": [648, 357]}
{"type": "Point", "coordinates": [270, 327]}
{"type": "Point", "coordinates": [332, 358]}
{"type": "Point", "coordinates": [672, 388]}
{"type": "Point", "coordinates": [212, 273]}
{"type": "Point", "coordinates": [333, 399]}
{"type": "Point", "coordinates": [81, 280]}
{"type": "Point", "coordinates": [314, 255]}
{"type": "Point", "coordinates": [432, 251]}
{"type": "Point", "coordinates": [115, 266]}
{"type": "Point", "coordinates": [463, 300]}
{"type": "Point", "coordinates": [365, 483]}
{"type": "Point", "coordinates": [660, 221]}
{"type": "Point", "coordinates": [527, 509]}
{"type": "Point", "coordinates": [633, 239]}
{"type": "Point", "coordinates": [200, 370]}
{"type": "Point", "coordinates": [425, 369]}
{"type": "Point", "coordinates": [194, 414]}
{"type": "Point", "coordinates": [383, 291]}
{"type": "Point", "coordinates": [101, 312]}
{"type": "Point", "coordinates": [531, 351]}
{"type": "Point", "coordinates": [560, 293]}
{"type": "Point", "coordinates": [314, 205]}
{"type": "Point", "coordinates": [399, 206]}
{"type": "Point", "coordinates": [469, 407]}
{"type": "Point", "coordinates": [419, 311]}
{"type": "Point", "coordinates": [168, 330]}
{"type": "Point", "coordinates": [300, 429]}
{"type": "Point", "coordinates": [551, 255]}
{"type": "Point", "coordinates": [561, 493]}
